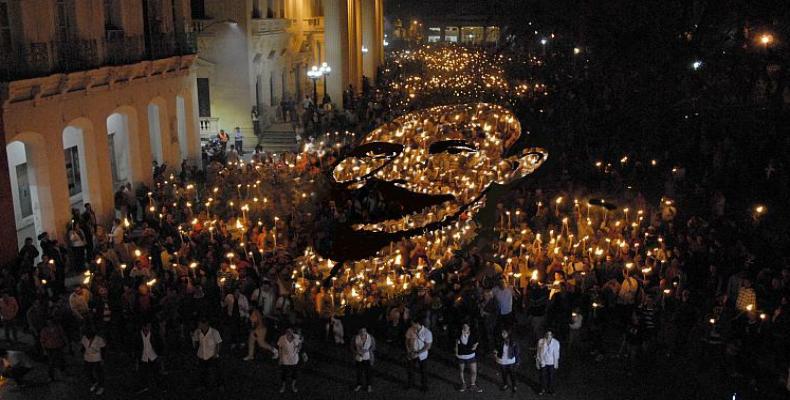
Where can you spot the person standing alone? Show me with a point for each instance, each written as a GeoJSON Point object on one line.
{"type": "Point", "coordinates": [238, 139]}
{"type": "Point", "coordinates": [547, 360]}
{"type": "Point", "coordinates": [418, 343]}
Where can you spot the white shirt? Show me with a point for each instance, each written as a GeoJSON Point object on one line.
{"type": "Point", "coordinates": [149, 354]}
{"type": "Point", "coordinates": [93, 348]}
{"type": "Point", "coordinates": [289, 349]}
{"type": "Point", "coordinates": [265, 300]}
{"type": "Point", "coordinates": [207, 343]}
{"type": "Point", "coordinates": [117, 234]}
{"type": "Point", "coordinates": [363, 347]}
{"type": "Point", "coordinates": [504, 297]}
{"type": "Point", "coordinates": [244, 305]}
{"type": "Point", "coordinates": [417, 339]}
{"type": "Point", "coordinates": [548, 353]}
{"type": "Point", "coordinates": [505, 361]}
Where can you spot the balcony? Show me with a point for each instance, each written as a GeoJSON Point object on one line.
{"type": "Point", "coordinates": [45, 58]}
{"type": "Point", "coordinates": [269, 26]}
{"type": "Point", "coordinates": [122, 50]}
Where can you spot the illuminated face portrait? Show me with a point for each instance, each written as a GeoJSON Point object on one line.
{"type": "Point", "coordinates": [440, 160]}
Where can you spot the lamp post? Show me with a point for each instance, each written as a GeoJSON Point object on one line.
{"type": "Point", "coordinates": [325, 70]}
{"type": "Point", "coordinates": [314, 73]}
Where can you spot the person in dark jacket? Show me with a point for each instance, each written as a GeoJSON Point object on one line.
{"type": "Point", "coordinates": [507, 355]}
{"type": "Point", "coordinates": [148, 348]}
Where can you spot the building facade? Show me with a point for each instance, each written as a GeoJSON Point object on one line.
{"type": "Point", "coordinates": [254, 54]}
{"type": "Point", "coordinates": [93, 92]}
{"type": "Point", "coordinates": [469, 22]}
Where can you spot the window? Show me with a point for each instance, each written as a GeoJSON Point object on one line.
{"type": "Point", "coordinates": [204, 98]}
{"type": "Point", "coordinates": [23, 187]}
{"type": "Point", "coordinates": [63, 18]}
{"type": "Point", "coordinates": [5, 29]}
{"type": "Point", "coordinates": [73, 178]}
{"type": "Point", "coordinates": [198, 9]}
{"type": "Point", "coordinates": [451, 34]}
{"type": "Point", "coordinates": [113, 161]}
{"type": "Point", "coordinates": [434, 34]}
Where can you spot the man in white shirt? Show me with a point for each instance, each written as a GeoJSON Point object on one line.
{"type": "Point", "coordinates": [547, 360]}
{"type": "Point", "coordinates": [207, 341]}
{"type": "Point", "coordinates": [289, 346]}
{"type": "Point", "coordinates": [363, 345]}
{"type": "Point", "coordinates": [238, 138]}
{"type": "Point", "coordinates": [504, 297]}
{"type": "Point", "coordinates": [418, 343]}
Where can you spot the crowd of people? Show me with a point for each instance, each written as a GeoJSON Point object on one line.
{"type": "Point", "coordinates": [631, 258]}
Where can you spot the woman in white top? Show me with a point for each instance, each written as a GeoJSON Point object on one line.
{"type": "Point", "coordinates": [93, 347]}
{"type": "Point", "coordinates": [466, 353]}
{"type": "Point", "coordinates": [289, 346]}
{"type": "Point", "coordinates": [362, 346]}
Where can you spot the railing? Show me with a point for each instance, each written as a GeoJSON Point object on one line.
{"type": "Point", "coordinates": [209, 127]}
{"type": "Point", "coordinates": [121, 49]}
{"type": "Point", "coordinates": [45, 58]}
{"type": "Point", "coordinates": [269, 25]}
{"type": "Point", "coordinates": [313, 24]}
{"type": "Point", "coordinates": [76, 55]}
{"type": "Point", "coordinates": [199, 25]}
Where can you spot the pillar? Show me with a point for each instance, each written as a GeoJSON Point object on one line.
{"type": "Point", "coordinates": [336, 47]}
{"type": "Point", "coordinates": [355, 43]}
{"type": "Point", "coordinates": [54, 162]}
{"type": "Point", "coordinates": [102, 177]}
{"type": "Point", "coordinates": [193, 123]}
{"type": "Point", "coordinates": [141, 156]}
{"type": "Point", "coordinates": [7, 228]}
{"type": "Point", "coordinates": [370, 38]}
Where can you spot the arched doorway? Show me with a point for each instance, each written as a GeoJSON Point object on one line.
{"type": "Point", "coordinates": [119, 148]}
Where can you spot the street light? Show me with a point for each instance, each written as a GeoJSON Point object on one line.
{"type": "Point", "coordinates": [325, 71]}
{"type": "Point", "coordinates": [314, 74]}
{"type": "Point", "coordinates": [696, 65]}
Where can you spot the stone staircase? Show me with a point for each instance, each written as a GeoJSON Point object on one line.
{"type": "Point", "coordinates": [278, 138]}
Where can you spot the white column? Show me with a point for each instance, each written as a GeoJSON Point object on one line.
{"type": "Point", "coordinates": [193, 123]}
{"type": "Point", "coordinates": [60, 210]}
{"type": "Point", "coordinates": [355, 43]}
{"type": "Point", "coordinates": [369, 38]}
{"type": "Point", "coordinates": [97, 162]}
{"type": "Point", "coordinates": [336, 47]}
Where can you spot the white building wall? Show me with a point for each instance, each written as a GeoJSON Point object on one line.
{"type": "Point", "coordinates": [38, 117]}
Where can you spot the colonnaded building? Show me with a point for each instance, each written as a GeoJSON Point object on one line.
{"type": "Point", "coordinates": [94, 91]}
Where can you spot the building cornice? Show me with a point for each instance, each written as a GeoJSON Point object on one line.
{"type": "Point", "coordinates": [60, 86]}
